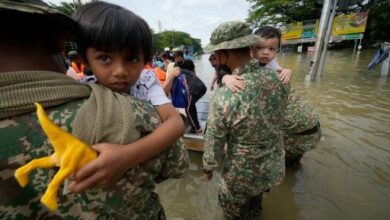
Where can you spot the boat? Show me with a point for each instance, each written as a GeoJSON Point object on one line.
{"type": "Point", "coordinates": [195, 142]}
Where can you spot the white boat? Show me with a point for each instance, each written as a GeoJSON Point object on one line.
{"type": "Point", "coordinates": [195, 141]}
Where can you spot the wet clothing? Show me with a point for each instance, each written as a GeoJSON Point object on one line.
{"type": "Point", "coordinates": [250, 123]}
{"type": "Point", "coordinates": [301, 125]}
{"type": "Point", "coordinates": [22, 139]}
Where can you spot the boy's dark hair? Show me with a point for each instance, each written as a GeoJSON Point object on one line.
{"type": "Point", "coordinates": [178, 53]}
{"type": "Point", "coordinates": [109, 27]}
{"type": "Point", "coordinates": [269, 32]}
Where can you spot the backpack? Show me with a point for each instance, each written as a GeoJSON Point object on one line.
{"type": "Point", "coordinates": [195, 85]}
{"type": "Point", "coordinates": [179, 92]}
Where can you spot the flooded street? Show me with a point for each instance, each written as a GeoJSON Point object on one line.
{"type": "Point", "coordinates": [346, 177]}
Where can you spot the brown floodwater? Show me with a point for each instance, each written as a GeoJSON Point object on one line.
{"type": "Point", "coordinates": [347, 176]}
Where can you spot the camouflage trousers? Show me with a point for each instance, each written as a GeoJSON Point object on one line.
{"type": "Point", "coordinates": [245, 178]}
{"type": "Point", "coordinates": [296, 145]}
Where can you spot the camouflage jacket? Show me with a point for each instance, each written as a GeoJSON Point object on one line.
{"type": "Point", "coordinates": [131, 197]}
{"type": "Point", "coordinates": [248, 121]}
{"type": "Point", "coordinates": [299, 116]}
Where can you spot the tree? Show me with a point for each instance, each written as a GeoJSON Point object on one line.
{"type": "Point", "coordinates": [276, 12]}
{"type": "Point", "coordinates": [176, 38]}
{"type": "Point", "coordinates": [69, 8]}
{"type": "Point", "coordinates": [378, 23]}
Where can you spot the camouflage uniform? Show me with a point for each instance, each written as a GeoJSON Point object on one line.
{"type": "Point", "coordinates": [22, 139]}
{"type": "Point", "coordinates": [132, 197]}
{"type": "Point", "coordinates": [301, 126]}
{"type": "Point", "coordinates": [249, 122]}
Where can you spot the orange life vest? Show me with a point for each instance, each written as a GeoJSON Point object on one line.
{"type": "Point", "coordinates": [79, 69]}
{"type": "Point", "coordinates": [161, 75]}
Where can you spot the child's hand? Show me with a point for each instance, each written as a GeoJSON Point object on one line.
{"type": "Point", "coordinates": [284, 75]}
{"type": "Point", "coordinates": [233, 82]}
{"type": "Point", "coordinates": [110, 165]}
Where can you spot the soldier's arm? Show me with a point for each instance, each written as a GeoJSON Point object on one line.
{"type": "Point", "coordinates": [216, 135]}
{"type": "Point", "coordinates": [114, 160]}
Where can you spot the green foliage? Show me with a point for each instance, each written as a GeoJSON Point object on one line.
{"type": "Point", "coordinates": [174, 39]}
{"type": "Point", "coordinates": [273, 12]}
{"type": "Point", "coordinates": [378, 23]}
{"type": "Point", "coordinates": [69, 7]}
{"type": "Point", "coordinates": [277, 12]}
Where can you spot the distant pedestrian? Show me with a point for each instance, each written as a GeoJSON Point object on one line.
{"type": "Point", "coordinates": [196, 89]}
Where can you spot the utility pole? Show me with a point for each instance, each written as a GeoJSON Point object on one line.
{"type": "Point", "coordinates": [159, 26]}
{"type": "Point", "coordinates": [313, 69]}
{"type": "Point", "coordinates": [326, 39]}
{"type": "Point", "coordinates": [386, 62]}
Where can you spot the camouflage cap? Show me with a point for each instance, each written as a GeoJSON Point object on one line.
{"type": "Point", "coordinates": [231, 35]}
{"type": "Point", "coordinates": [35, 7]}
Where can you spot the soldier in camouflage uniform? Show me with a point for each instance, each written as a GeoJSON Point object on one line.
{"type": "Point", "coordinates": [300, 121]}
{"type": "Point", "coordinates": [32, 73]}
{"type": "Point", "coordinates": [249, 122]}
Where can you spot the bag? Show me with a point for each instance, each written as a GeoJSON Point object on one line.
{"type": "Point", "coordinates": [179, 92]}
{"type": "Point", "coordinates": [195, 85]}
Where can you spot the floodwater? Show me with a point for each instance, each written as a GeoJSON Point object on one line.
{"type": "Point", "coordinates": [346, 177]}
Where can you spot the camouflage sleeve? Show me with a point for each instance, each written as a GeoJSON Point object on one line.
{"type": "Point", "coordinates": [216, 134]}
{"type": "Point", "coordinates": [177, 162]}
{"type": "Point", "coordinates": [146, 118]}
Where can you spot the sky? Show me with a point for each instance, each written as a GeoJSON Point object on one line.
{"type": "Point", "coordinates": [195, 17]}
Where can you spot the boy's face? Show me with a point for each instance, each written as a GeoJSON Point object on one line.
{"type": "Point", "coordinates": [265, 50]}
{"type": "Point", "coordinates": [115, 70]}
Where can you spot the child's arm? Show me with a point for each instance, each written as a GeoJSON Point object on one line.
{"type": "Point", "coordinates": [233, 82]}
{"type": "Point", "coordinates": [284, 75]}
{"type": "Point", "coordinates": [114, 160]}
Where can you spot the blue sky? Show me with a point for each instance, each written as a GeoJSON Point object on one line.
{"type": "Point", "coordinates": [196, 17]}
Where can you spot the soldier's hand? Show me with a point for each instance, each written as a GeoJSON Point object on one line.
{"type": "Point", "coordinates": [111, 164]}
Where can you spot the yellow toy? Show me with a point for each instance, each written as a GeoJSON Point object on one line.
{"type": "Point", "coordinates": [70, 154]}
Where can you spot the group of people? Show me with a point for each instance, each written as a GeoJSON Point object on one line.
{"type": "Point", "coordinates": [123, 112]}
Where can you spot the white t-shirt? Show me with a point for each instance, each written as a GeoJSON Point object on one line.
{"type": "Point", "coordinates": [147, 88]}
{"type": "Point", "coordinates": [273, 64]}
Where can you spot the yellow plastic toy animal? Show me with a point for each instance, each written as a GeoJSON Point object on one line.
{"type": "Point", "coordinates": [70, 154]}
